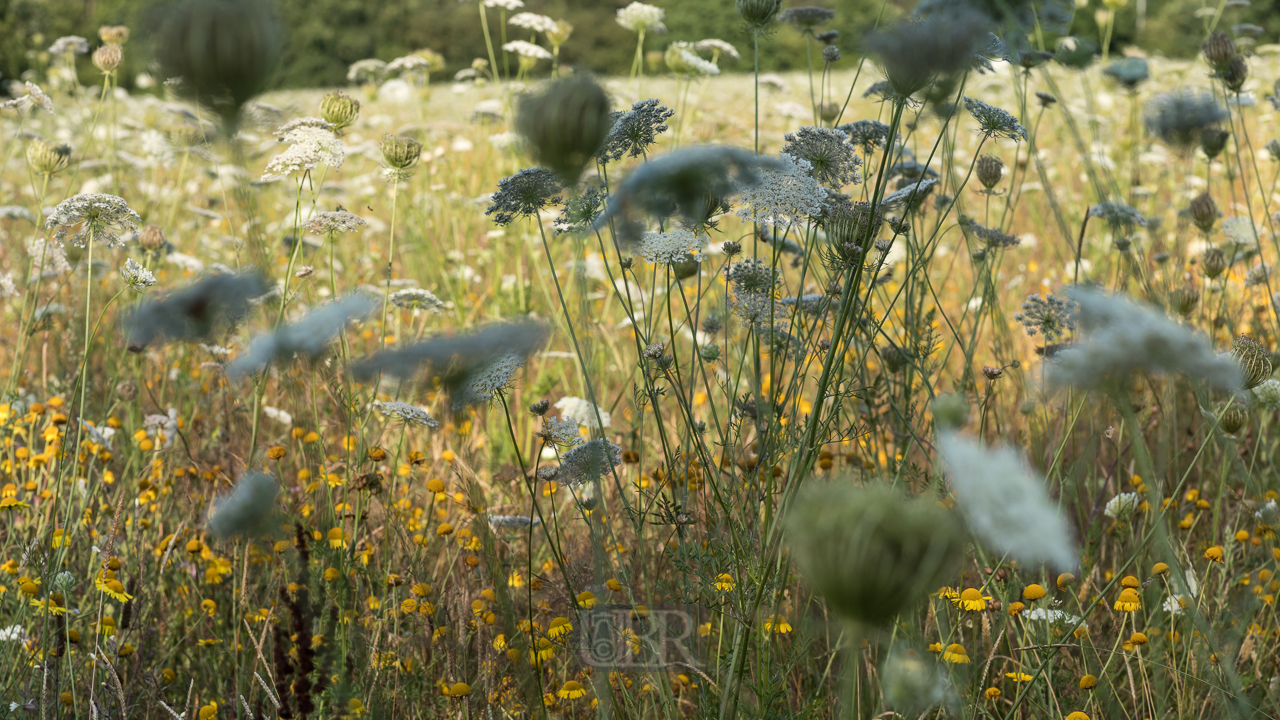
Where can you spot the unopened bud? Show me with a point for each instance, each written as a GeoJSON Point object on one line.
{"type": "Point", "coordinates": [48, 158]}
{"type": "Point", "coordinates": [107, 58]}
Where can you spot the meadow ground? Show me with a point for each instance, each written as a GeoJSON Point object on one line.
{"type": "Point", "coordinates": [410, 535]}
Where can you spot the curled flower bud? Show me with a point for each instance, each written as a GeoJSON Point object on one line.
{"type": "Point", "coordinates": [1214, 263]}
{"type": "Point", "coordinates": [990, 170]}
{"type": "Point", "coordinates": [1204, 212]}
{"type": "Point", "coordinates": [1218, 51]}
{"type": "Point", "coordinates": [1184, 300]}
{"type": "Point", "coordinates": [759, 15]}
{"type": "Point", "coordinates": [339, 109]}
{"type": "Point", "coordinates": [1234, 418]}
{"type": "Point", "coordinates": [400, 153]}
{"type": "Point", "coordinates": [1255, 361]}
{"type": "Point", "coordinates": [47, 158]}
{"type": "Point", "coordinates": [107, 58]}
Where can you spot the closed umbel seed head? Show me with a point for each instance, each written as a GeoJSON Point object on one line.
{"type": "Point", "coordinates": [1218, 51]}
{"type": "Point", "coordinates": [48, 158]}
{"type": "Point", "coordinates": [759, 15]}
{"type": "Point", "coordinates": [1204, 212]}
{"type": "Point", "coordinates": [1184, 300]}
{"type": "Point", "coordinates": [990, 171]}
{"type": "Point", "coordinates": [400, 153]}
{"type": "Point", "coordinates": [870, 552]}
{"type": "Point", "coordinates": [1235, 73]}
{"type": "Point", "coordinates": [1255, 361]}
{"type": "Point", "coordinates": [1213, 141]}
{"type": "Point", "coordinates": [566, 124]}
{"type": "Point", "coordinates": [339, 109]}
{"type": "Point", "coordinates": [151, 238]}
{"type": "Point", "coordinates": [1234, 418]}
{"type": "Point", "coordinates": [107, 58]}
{"type": "Point", "coordinates": [1214, 262]}
{"type": "Point", "coordinates": [114, 34]}
{"type": "Point", "coordinates": [540, 408]}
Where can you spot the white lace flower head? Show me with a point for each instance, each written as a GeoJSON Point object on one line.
{"type": "Point", "coordinates": [92, 216]}
{"type": "Point", "coordinates": [311, 144]}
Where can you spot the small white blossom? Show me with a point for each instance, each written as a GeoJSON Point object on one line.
{"type": "Point", "coordinates": [1122, 506]}
{"type": "Point", "coordinates": [136, 276]}
{"type": "Point", "coordinates": [504, 4]}
{"type": "Point", "coordinates": [406, 413]}
{"type": "Point", "coordinates": [277, 414]}
{"type": "Point", "coordinates": [533, 21]}
{"type": "Point", "coordinates": [8, 289]}
{"type": "Point", "coordinates": [417, 299]}
{"type": "Point", "coordinates": [369, 70]}
{"type": "Point", "coordinates": [11, 633]}
{"type": "Point", "coordinates": [575, 408]}
{"type": "Point", "coordinates": [527, 49]}
{"type": "Point", "coordinates": [717, 47]}
{"type": "Point", "coordinates": [1054, 617]}
{"type": "Point", "coordinates": [673, 246]}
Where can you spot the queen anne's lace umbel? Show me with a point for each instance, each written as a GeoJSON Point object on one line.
{"type": "Point", "coordinates": [92, 216]}
{"type": "Point", "coordinates": [311, 144]}
{"type": "Point", "coordinates": [785, 194]}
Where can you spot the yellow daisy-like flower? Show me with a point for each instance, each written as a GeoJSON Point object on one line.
{"type": "Point", "coordinates": [571, 690]}
{"type": "Point", "coordinates": [991, 693]}
{"type": "Point", "coordinates": [956, 654]}
{"type": "Point", "coordinates": [935, 647]}
{"type": "Point", "coordinates": [12, 503]}
{"type": "Point", "coordinates": [50, 607]}
{"type": "Point", "coordinates": [559, 626]}
{"type": "Point", "coordinates": [459, 689]}
{"type": "Point", "coordinates": [1020, 677]}
{"type": "Point", "coordinates": [724, 582]}
{"type": "Point", "coordinates": [542, 651]}
{"type": "Point", "coordinates": [586, 599]}
{"type": "Point", "coordinates": [1138, 639]}
{"type": "Point", "coordinates": [973, 600]}
{"type": "Point", "coordinates": [115, 589]}
{"type": "Point", "coordinates": [1088, 682]}
{"type": "Point", "coordinates": [337, 538]}
{"type": "Point", "coordinates": [1214, 554]}
{"type": "Point", "coordinates": [1077, 715]}
{"type": "Point", "coordinates": [1130, 581]}
{"type": "Point", "coordinates": [1034, 592]}
{"type": "Point", "coordinates": [1160, 569]}
{"type": "Point", "coordinates": [1128, 601]}
{"type": "Point", "coordinates": [1016, 608]}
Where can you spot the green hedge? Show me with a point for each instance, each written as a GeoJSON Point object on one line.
{"type": "Point", "coordinates": [325, 36]}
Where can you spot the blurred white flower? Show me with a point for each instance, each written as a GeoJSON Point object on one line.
{"type": "Point", "coordinates": [533, 21]}
{"type": "Point", "coordinates": [1120, 336]}
{"type": "Point", "coordinates": [1006, 504]}
{"type": "Point", "coordinates": [527, 49]}
{"type": "Point", "coordinates": [582, 411]}
{"type": "Point", "coordinates": [1122, 506]}
{"type": "Point", "coordinates": [639, 17]}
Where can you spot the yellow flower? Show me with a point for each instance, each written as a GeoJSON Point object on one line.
{"type": "Point", "coordinates": [586, 599]}
{"type": "Point", "coordinates": [558, 627]}
{"type": "Point", "coordinates": [1128, 601]}
{"type": "Point", "coordinates": [1033, 592]}
{"type": "Point", "coordinates": [444, 529]}
{"type": "Point", "coordinates": [12, 503]}
{"type": "Point", "coordinates": [1088, 682]}
{"type": "Point", "coordinates": [973, 600]}
{"type": "Point", "coordinates": [777, 625]}
{"type": "Point", "coordinates": [1020, 677]}
{"type": "Point", "coordinates": [115, 589]}
{"type": "Point", "coordinates": [1016, 607]}
{"type": "Point", "coordinates": [571, 690]}
{"type": "Point", "coordinates": [209, 712]}
{"type": "Point", "coordinates": [1138, 639]}
{"type": "Point", "coordinates": [991, 693]}
{"type": "Point", "coordinates": [1065, 580]}
{"type": "Point", "coordinates": [1077, 715]}
{"type": "Point", "coordinates": [1160, 569]}
{"type": "Point", "coordinates": [500, 643]}
{"type": "Point", "coordinates": [935, 647]}
{"type": "Point", "coordinates": [1214, 554]}
{"type": "Point", "coordinates": [724, 582]}
{"type": "Point", "coordinates": [337, 538]}
{"type": "Point", "coordinates": [1130, 581]}
{"type": "Point", "coordinates": [955, 653]}
{"type": "Point", "coordinates": [515, 579]}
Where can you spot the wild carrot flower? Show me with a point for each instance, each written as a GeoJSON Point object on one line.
{"type": "Point", "coordinates": [786, 193]}
{"type": "Point", "coordinates": [406, 413]}
{"type": "Point", "coordinates": [830, 156]}
{"type": "Point", "coordinates": [247, 509]}
{"type": "Point", "coordinates": [635, 130]}
{"type": "Point", "coordinates": [312, 143]}
{"type": "Point", "coordinates": [583, 412]}
{"type": "Point", "coordinates": [104, 218]}
{"type": "Point", "coordinates": [995, 123]}
{"type": "Point", "coordinates": [1179, 118]}
{"type": "Point", "coordinates": [561, 432]}
{"type": "Point", "coordinates": [639, 17]}
{"type": "Point", "coordinates": [416, 299]}
{"type": "Point", "coordinates": [524, 195]}
{"type": "Point", "coordinates": [673, 246]}
{"type": "Point", "coordinates": [1122, 506]}
{"type": "Point", "coordinates": [332, 223]}
{"type": "Point", "coordinates": [136, 276]}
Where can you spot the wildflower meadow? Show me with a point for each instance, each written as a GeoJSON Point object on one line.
{"type": "Point", "coordinates": [933, 380]}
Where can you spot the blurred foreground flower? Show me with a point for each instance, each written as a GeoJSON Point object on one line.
{"type": "Point", "coordinates": [870, 552]}
{"type": "Point", "coordinates": [247, 510]}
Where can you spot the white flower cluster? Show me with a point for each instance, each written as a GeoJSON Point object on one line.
{"type": "Point", "coordinates": [136, 276]}
{"type": "Point", "coordinates": [330, 223]}
{"type": "Point", "coordinates": [489, 379]}
{"type": "Point", "coordinates": [638, 17]}
{"type": "Point", "coordinates": [527, 49]}
{"type": "Point", "coordinates": [369, 70]}
{"type": "Point", "coordinates": [508, 522]}
{"type": "Point", "coordinates": [1005, 503]}
{"type": "Point", "coordinates": [1054, 617]}
{"type": "Point", "coordinates": [1240, 232]}
{"type": "Point", "coordinates": [35, 96]}
{"type": "Point", "coordinates": [1122, 336]}
{"type": "Point", "coordinates": [682, 59]}
{"type": "Point", "coordinates": [11, 633]}
{"type": "Point", "coordinates": [1122, 506]}
{"type": "Point", "coordinates": [533, 21]}
{"type": "Point", "coordinates": [99, 217]}
{"type": "Point", "coordinates": [716, 46]}
{"type": "Point", "coordinates": [575, 408]}
{"type": "Point", "coordinates": [417, 299]}
{"type": "Point", "coordinates": [561, 432]}
{"type": "Point", "coordinates": [786, 194]}
{"type": "Point", "coordinates": [406, 413]}
{"type": "Point", "coordinates": [49, 259]}
{"type": "Point", "coordinates": [162, 429]}
{"type": "Point", "coordinates": [8, 289]}
{"type": "Point", "coordinates": [1178, 602]}
{"type": "Point", "coordinates": [504, 4]}
{"type": "Point", "coordinates": [310, 145]}
{"type": "Point", "coordinates": [673, 246]}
